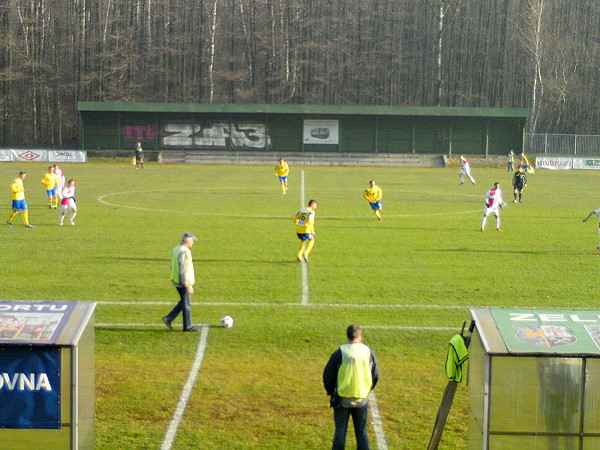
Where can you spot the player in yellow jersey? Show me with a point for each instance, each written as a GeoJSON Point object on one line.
{"type": "Point", "coordinates": [18, 203]}
{"type": "Point", "coordinates": [51, 182]}
{"type": "Point", "coordinates": [373, 195]}
{"type": "Point", "coordinates": [282, 170]}
{"type": "Point", "coordinates": [305, 229]}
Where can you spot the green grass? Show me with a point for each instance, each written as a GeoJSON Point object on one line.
{"type": "Point", "coordinates": [260, 382]}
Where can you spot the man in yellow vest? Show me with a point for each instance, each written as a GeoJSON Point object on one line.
{"type": "Point", "coordinates": [349, 376]}
{"type": "Point", "coordinates": [182, 276]}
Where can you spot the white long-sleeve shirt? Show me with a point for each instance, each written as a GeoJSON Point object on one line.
{"type": "Point", "coordinates": [493, 198]}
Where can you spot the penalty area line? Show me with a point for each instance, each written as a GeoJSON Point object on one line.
{"type": "Point", "coordinates": [186, 392]}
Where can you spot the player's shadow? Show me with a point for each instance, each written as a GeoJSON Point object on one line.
{"type": "Point", "coordinates": [123, 258]}
{"type": "Point", "coordinates": [203, 261]}
{"type": "Point", "coordinates": [248, 261]}
{"type": "Point", "coordinates": [159, 328]}
{"type": "Point", "coordinates": [508, 252]}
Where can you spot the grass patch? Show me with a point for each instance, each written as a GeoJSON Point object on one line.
{"type": "Point", "coordinates": [260, 382]}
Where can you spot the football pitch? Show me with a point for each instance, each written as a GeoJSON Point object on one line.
{"type": "Point", "coordinates": [409, 280]}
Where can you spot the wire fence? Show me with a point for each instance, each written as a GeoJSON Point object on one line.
{"type": "Point", "coordinates": [563, 144]}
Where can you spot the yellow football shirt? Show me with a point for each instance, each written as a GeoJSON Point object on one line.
{"type": "Point", "coordinates": [305, 221]}
{"type": "Point", "coordinates": [374, 194]}
{"type": "Point", "coordinates": [50, 180]}
{"type": "Point", "coordinates": [282, 170]}
{"type": "Point", "coordinates": [18, 189]}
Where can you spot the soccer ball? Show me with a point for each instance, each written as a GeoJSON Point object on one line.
{"type": "Point", "coordinates": [227, 321]}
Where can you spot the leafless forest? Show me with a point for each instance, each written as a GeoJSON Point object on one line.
{"type": "Point", "coordinates": [542, 54]}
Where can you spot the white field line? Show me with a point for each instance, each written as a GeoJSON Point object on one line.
{"type": "Point", "coordinates": [305, 290]}
{"type": "Point", "coordinates": [314, 305]}
{"type": "Point", "coordinates": [104, 200]}
{"type": "Point", "coordinates": [162, 327]}
{"type": "Point", "coordinates": [377, 422]}
{"type": "Point", "coordinates": [186, 392]}
{"type": "Point", "coordinates": [303, 264]}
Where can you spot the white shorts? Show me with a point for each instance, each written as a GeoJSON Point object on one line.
{"type": "Point", "coordinates": [464, 171]}
{"type": "Point", "coordinates": [70, 205]}
{"type": "Point", "coordinates": [487, 211]}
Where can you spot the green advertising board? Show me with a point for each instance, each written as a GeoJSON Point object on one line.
{"type": "Point", "coordinates": [549, 331]}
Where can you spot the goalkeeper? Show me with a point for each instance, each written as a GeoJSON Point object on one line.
{"type": "Point", "coordinates": [519, 183]}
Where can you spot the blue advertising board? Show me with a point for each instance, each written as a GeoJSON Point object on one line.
{"type": "Point", "coordinates": [30, 387]}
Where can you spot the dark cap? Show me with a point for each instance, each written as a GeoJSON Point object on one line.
{"type": "Point", "coordinates": [187, 236]}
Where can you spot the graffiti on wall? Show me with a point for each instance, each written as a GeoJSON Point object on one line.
{"type": "Point", "coordinates": [141, 133]}
{"type": "Point", "coordinates": [216, 134]}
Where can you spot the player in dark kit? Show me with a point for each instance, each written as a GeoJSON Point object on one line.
{"type": "Point", "coordinates": [519, 183]}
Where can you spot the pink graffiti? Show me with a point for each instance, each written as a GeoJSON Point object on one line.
{"type": "Point", "coordinates": [139, 132]}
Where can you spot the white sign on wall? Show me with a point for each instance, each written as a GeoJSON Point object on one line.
{"type": "Point", "coordinates": [321, 132]}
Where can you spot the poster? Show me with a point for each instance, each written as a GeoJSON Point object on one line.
{"type": "Point", "coordinates": [321, 132]}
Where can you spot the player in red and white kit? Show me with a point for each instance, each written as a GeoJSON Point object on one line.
{"type": "Point", "coordinates": [493, 203]}
{"type": "Point", "coordinates": [68, 202]}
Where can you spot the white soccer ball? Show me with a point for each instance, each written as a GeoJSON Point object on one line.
{"type": "Point", "coordinates": [227, 321]}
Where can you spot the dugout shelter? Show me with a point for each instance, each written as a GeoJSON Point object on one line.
{"type": "Point", "coordinates": [534, 379]}
{"type": "Point", "coordinates": [47, 375]}
{"type": "Point", "coordinates": [302, 128]}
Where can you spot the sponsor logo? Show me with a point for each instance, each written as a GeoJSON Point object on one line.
{"type": "Point", "coordinates": [545, 335]}
{"type": "Point", "coordinates": [13, 307]}
{"type": "Point", "coordinates": [25, 382]}
{"type": "Point", "coordinates": [549, 317]}
{"type": "Point", "coordinates": [29, 155]}
{"type": "Point", "coordinates": [319, 133]}
{"type": "Point", "coordinates": [552, 162]}
{"type": "Point", "coordinates": [592, 162]}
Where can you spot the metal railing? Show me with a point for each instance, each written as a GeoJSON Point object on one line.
{"type": "Point", "coordinates": [563, 144]}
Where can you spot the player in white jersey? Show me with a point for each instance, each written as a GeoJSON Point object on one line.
{"type": "Point", "coordinates": [68, 202]}
{"type": "Point", "coordinates": [493, 203]}
{"type": "Point", "coordinates": [61, 180]}
{"type": "Point", "coordinates": [465, 169]}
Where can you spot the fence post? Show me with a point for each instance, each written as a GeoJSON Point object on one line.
{"type": "Point", "coordinates": [546, 144]}
{"type": "Point", "coordinates": [575, 146]}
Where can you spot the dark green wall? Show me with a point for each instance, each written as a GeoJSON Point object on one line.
{"type": "Point", "coordinates": [358, 133]}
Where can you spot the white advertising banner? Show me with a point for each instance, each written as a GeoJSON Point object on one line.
{"type": "Point", "coordinates": [321, 131]}
{"type": "Point", "coordinates": [586, 163]}
{"type": "Point", "coordinates": [67, 156]}
{"type": "Point", "coordinates": [4, 155]}
{"type": "Point", "coordinates": [553, 163]}
{"type": "Point", "coordinates": [566, 163]}
{"type": "Point", "coordinates": [28, 155]}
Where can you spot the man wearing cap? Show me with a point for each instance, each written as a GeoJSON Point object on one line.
{"type": "Point", "coordinates": [182, 276]}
